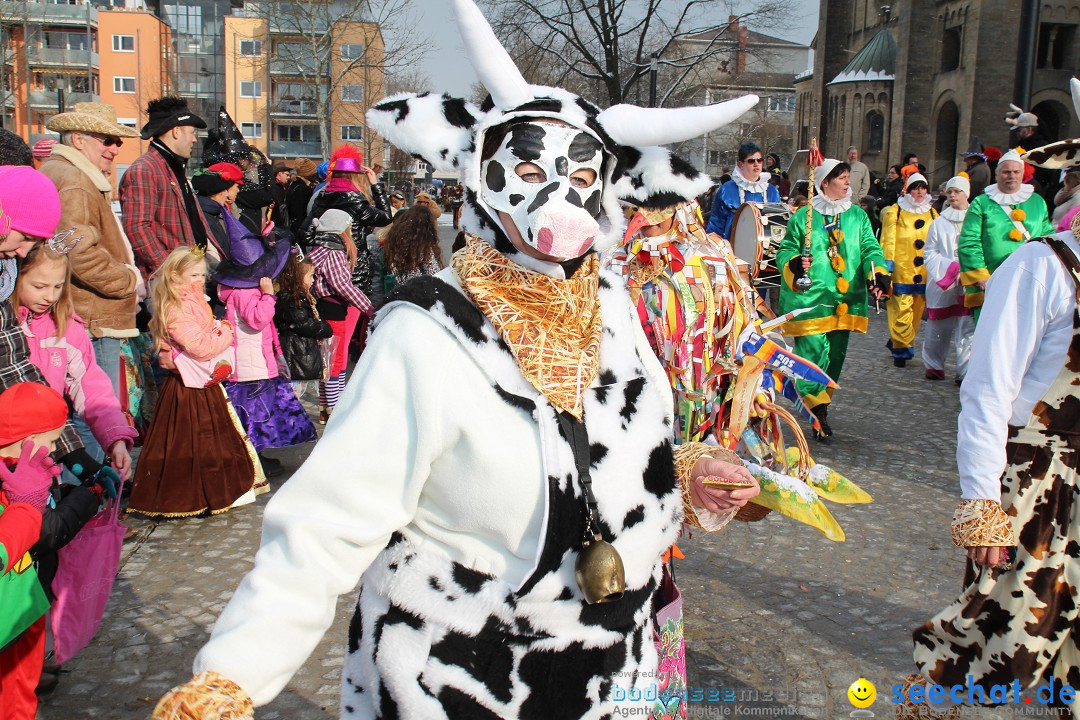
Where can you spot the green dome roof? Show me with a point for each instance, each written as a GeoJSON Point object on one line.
{"type": "Point", "coordinates": [876, 61]}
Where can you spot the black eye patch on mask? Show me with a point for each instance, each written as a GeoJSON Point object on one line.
{"type": "Point", "coordinates": [526, 142]}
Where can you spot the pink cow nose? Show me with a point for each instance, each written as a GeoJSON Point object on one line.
{"type": "Point", "coordinates": [565, 236]}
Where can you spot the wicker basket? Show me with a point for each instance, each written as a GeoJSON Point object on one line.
{"type": "Point", "coordinates": [752, 512]}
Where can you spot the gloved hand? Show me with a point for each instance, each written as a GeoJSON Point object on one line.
{"type": "Point", "coordinates": [107, 479]}
{"type": "Point", "coordinates": [32, 478]}
{"type": "Point", "coordinates": [795, 265]}
{"type": "Point", "coordinates": [881, 286]}
{"type": "Point", "coordinates": [207, 696]}
{"type": "Point", "coordinates": [81, 464]}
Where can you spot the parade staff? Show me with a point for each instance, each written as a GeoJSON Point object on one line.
{"type": "Point", "coordinates": [1016, 616]}
{"type": "Point", "coordinates": [999, 221]}
{"type": "Point", "coordinates": [747, 184]}
{"type": "Point", "coordinates": [903, 238]}
{"type": "Point", "coordinates": [843, 256]}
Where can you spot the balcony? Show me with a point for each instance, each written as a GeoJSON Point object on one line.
{"type": "Point", "coordinates": [48, 13]}
{"type": "Point", "coordinates": [62, 57]}
{"type": "Point", "coordinates": [284, 148]}
{"type": "Point", "coordinates": [296, 67]}
{"type": "Point", "coordinates": [294, 108]}
{"type": "Point", "coordinates": [50, 99]}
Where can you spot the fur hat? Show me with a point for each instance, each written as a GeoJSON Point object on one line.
{"type": "Point", "coordinates": [961, 183]}
{"type": "Point", "coordinates": [29, 408]}
{"type": "Point", "coordinates": [90, 117]}
{"type": "Point", "coordinates": [448, 133]}
{"type": "Point", "coordinates": [165, 114]}
{"type": "Point", "coordinates": [305, 168]}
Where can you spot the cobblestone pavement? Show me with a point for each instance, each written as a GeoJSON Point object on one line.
{"type": "Point", "coordinates": [775, 613]}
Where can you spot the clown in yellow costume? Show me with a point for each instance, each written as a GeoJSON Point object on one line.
{"type": "Point", "coordinates": [903, 236]}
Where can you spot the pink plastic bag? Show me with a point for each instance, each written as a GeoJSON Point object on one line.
{"type": "Point", "coordinates": [84, 579]}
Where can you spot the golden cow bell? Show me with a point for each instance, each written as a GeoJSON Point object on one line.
{"type": "Point", "coordinates": [599, 571]}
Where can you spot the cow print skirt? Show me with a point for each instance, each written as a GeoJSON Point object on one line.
{"type": "Point", "coordinates": [1019, 623]}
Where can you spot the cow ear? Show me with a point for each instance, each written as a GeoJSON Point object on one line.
{"type": "Point", "coordinates": [656, 178]}
{"type": "Point", "coordinates": [438, 129]}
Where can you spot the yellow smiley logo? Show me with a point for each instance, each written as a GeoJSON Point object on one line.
{"type": "Point", "coordinates": [862, 693]}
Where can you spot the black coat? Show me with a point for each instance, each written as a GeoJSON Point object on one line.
{"type": "Point", "coordinates": [299, 332]}
{"type": "Point", "coordinates": [365, 216]}
{"type": "Point", "coordinates": [297, 197]}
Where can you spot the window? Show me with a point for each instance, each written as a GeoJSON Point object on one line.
{"type": "Point", "coordinates": [1057, 46]}
{"type": "Point", "coordinates": [123, 43]}
{"type": "Point", "coordinates": [289, 50]}
{"type": "Point", "coordinates": [951, 43]}
{"type": "Point", "coordinates": [127, 122]}
{"type": "Point", "coordinates": [352, 132]}
{"type": "Point", "coordinates": [297, 133]}
{"type": "Point", "coordinates": [352, 51]}
{"type": "Point", "coordinates": [251, 129]}
{"type": "Point", "coordinates": [184, 19]}
{"type": "Point", "coordinates": [125, 85]}
{"type": "Point", "coordinates": [875, 132]}
{"type": "Point", "coordinates": [352, 93]}
{"type": "Point", "coordinates": [251, 89]}
{"type": "Point", "coordinates": [716, 157]}
{"type": "Point", "coordinates": [782, 103]}
{"type": "Point", "coordinates": [251, 48]}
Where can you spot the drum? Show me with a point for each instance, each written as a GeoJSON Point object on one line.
{"type": "Point", "coordinates": [756, 233]}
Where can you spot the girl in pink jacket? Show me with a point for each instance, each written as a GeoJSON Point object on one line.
{"type": "Point", "coordinates": [263, 397]}
{"type": "Point", "coordinates": [196, 458]}
{"type": "Point", "coordinates": [61, 349]}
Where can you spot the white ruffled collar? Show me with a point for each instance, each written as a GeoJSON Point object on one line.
{"type": "Point", "coordinates": [907, 204]}
{"type": "Point", "coordinates": [825, 206]}
{"type": "Point", "coordinates": [952, 214]}
{"type": "Point", "coordinates": [761, 186]}
{"type": "Point", "coordinates": [1021, 195]}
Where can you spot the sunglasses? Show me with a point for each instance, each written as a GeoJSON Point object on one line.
{"type": "Point", "coordinates": [756, 161]}
{"type": "Point", "coordinates": [107, 140]}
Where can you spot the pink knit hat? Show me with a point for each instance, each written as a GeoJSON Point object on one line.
{"type": "Point", "coordinates": [29, 202]}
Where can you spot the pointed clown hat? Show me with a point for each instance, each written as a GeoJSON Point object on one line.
{"type": "Point", "coordinates": [449, 134]}
{"type": "Point", "coordinates": [1063, 154]}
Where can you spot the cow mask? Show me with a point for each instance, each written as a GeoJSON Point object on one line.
{"type": "Point", "coordinates": [449, 134]}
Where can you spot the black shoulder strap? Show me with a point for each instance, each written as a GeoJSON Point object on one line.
{"type": "Point", "coordinates": [1066, 256]}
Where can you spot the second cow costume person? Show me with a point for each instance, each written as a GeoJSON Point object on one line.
{"type": "Point", "coordinates": [506, 436]}
{"type": "Point", "coordinates": [843, 256]}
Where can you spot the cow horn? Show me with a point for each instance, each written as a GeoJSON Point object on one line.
{"type": "Point", "coordinates": [641, 127]}
{"type": "Point", "coordinates": [494, 66]}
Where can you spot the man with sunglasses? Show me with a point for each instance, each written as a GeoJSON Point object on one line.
{"type": "Point", "coordinates": [747, 184]}
{"type": "Point", "coordinates": [105, 285]}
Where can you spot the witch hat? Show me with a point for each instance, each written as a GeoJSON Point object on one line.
{"type": "Point", "coordinates": [975, 148]}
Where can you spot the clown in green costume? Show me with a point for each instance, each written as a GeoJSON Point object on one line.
{"type": "Point", "coordinates": [998, 222]}
{"type": "Point", "coordinates": [844, 255]}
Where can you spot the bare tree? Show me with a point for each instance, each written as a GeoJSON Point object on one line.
{"type": "Point", "coordinates": [605, 48]}
{"type": "Point", "coordinates": [341, 52]}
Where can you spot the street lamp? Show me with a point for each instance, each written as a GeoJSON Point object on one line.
{"type": "Point", "coordinates": [654, 65]}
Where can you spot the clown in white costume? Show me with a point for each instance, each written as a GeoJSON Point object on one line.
{"type": "Point", "coordinates": [499, 475]}
{"type": "Point", "coordinates": [948, 322]}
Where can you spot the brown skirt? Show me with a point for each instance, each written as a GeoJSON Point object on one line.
{"type": "Point", "coordinates": [194, 460]}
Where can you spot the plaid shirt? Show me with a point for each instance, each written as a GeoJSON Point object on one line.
{"type": "Point", "coordinates": [154, 215]}
{"type": "Point", "coordinates": [333, 279]}
{"type": "Point", "coordinates": [15, 367]}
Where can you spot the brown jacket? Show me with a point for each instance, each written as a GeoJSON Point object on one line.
{"type": "Point", "coordinates": [104, 278]}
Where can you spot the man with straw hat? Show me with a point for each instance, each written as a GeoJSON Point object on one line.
{"type": "Point", "coordinates": [105, 285]}
{"type": "Point", "coordinates": [841, 257]}
{"type": "Point", "coordinates": [1019, 517]}
{"type": "Point", "coordinates": [999, 221]}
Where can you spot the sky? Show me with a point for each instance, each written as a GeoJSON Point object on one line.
{"type": "Point", "coordinates": [450, 71]}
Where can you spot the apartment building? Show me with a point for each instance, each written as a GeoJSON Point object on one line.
{"type": "Point", "coordinates": [298, 85]}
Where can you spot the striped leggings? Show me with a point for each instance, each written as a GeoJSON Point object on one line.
{"type": "Point", "coordinates": [330, 390]}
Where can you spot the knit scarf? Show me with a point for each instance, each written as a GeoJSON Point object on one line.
{"type": "Point", "coordinates": [552, 326]}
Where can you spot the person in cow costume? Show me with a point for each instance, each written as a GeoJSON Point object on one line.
{"type": "Point", "coordinates": [499, 474]}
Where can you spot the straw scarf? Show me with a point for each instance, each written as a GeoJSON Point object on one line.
{"type": "Point", "coordinates": [552, 326]}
